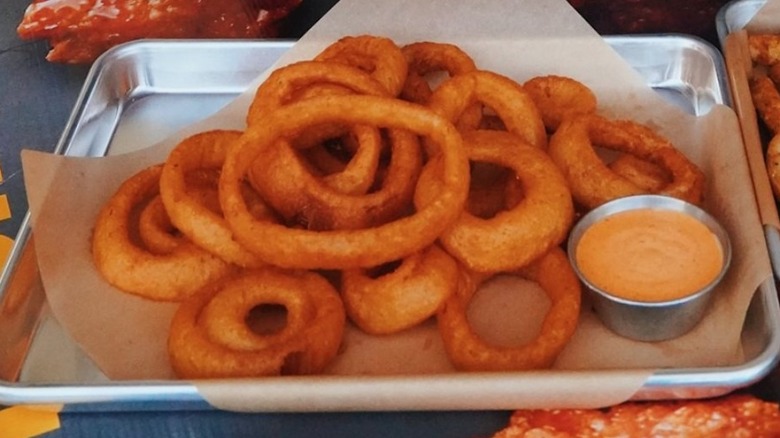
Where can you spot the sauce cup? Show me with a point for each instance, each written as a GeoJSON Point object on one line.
{"type": "Point", "coordinates": [650, 315]}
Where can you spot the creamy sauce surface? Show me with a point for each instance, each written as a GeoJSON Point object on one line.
{"type": "Point", "coordinates": [649, 255]}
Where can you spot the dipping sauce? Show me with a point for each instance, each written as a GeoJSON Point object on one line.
{"type": "Point", "coordinates": [649, 255]}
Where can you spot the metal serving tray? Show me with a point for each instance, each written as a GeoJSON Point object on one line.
{"type": "Point", "coordinates": [732, 18]}
{"type": "Point", "coordinates": [132, 85]}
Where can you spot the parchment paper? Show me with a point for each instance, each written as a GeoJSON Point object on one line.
{"type": "Point", "coordinates": [125, 336]}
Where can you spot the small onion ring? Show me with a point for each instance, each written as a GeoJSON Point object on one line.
{"type": "Point", "coordinates": [338, 249]}
{"type": "Point", "coordinates": [467, 351]}
{"type": "Point", "coordinates": [306, 79]}
{"type": "Point", "coordinates": [591, 181]}
{"type": "Point", "coordinates": [511, 103]}
{"type": "Point", "coordinates": [403, 298]}
{"type": "Point", "coordinates": [287, 185]}
{"type": "Point", "coordinates": [513, 237]}
{"type": "Point", "coordinates": [206, 228]}
{"type": "Point", "coordinates": [560, 97]}
{"type": "Point", "coordinates": [379, 56]}
{"type": "Point", "coordinates": [128, 266]}
{"type": "Point", "coordinates": [306, 346]}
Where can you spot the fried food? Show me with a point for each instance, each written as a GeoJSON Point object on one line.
{"type": "Point", "coordinates": [407, 202]}
{"type": "Point", "coordinates": [729, 416]}
{"type": "Point", "coordinates": [764, 48]}
{"type": "Point", "coordinates": [643, 174]}
{"type": "Point", "coordinates": [210, 338]}
{"type": "Point", "coordinates": [379, 56]}
{"type": "Point", "coordinates": [559, 98]}
{"type": "Point", "coordinates": [510, 102]}
{"type": "Point", "coordinates": [203, 226]}
{"type": "Point", "coordinates": [79, 32]}
{"type": "Point", "coordinates": [425, 58]}
{"type": "Point", "coordinates": [538, 222]}
{"type": "Point", "coordinates": [129, 266]}
{"type": "Point", "coordinates": [592, 182]}
{"type": "Point", "coordinates": [388, 302]}
{"type": "Point", "coordinates": [467, 351]}
{"type": "Point", "coordinates": [766, 99]}
{"type": "Point", "coordinates": [773, 164]}
{"type": "Point", "coordinates": [339, 249]}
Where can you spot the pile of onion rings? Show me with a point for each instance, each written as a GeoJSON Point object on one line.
{"type": "Point", "coordinates": [376, 185]}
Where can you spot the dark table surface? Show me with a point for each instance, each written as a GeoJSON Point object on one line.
{"type": "Point", "coordinates": [36, 98]}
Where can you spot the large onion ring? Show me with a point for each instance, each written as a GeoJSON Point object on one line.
{"type": "Point", "coordinates": [206, 228]}
{"type": "Point", "coordinates": [513, 237]}
{"type": "Point", "coordinates": [308, 79]}
{"type": "Point", "coordinates": [467, 351]}
{"type": "Point", "coordinates": [403, 298]}
{"type": "Point", "coordinates": [340, 249]}
{"type": "Point", "coordinates": [507, 98]}
{"type": "Point", "coordinates": [127, 265]}
{"type": "Point", "coordinates": [591, 181]}
{"type": "Point", "coordinates": [306, 346]}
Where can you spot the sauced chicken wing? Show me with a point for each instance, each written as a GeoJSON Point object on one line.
{"type": "Point", "coordinates": [80, 30]}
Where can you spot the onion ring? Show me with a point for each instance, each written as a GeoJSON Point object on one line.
{"type": "Point", "coordinates": [338, 249]}
{"type": "Point", "coordinates": [467, 351]}
{"type": "Point", "coordinates": [403, 298]}
{"type": "Point", "coordinates": [592, 183]}
{"type": "Point", "coordinates": [379, 56]}
{"type": "Point", "coordinates": [205, 327]}
{"type": "Point", "coordinates": [540, 221]}
{"type": "Point", "coordinates": [644, 174]}
{"type": "Point", "coordinates": [504, 96]}
{"type": "Point", "coordinates": [128, 266]}
{"type": "Point", "coordinates": [308, 79]}
{"type": "Point", "coordinates": [204, 227]}
{"type": "Point", "coordinates": [560, 97]}
{"type": "Point", "coordinates": [301, 197]}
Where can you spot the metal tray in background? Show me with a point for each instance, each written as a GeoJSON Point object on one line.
{"type": "Point", "coordinates": [133, 85]}
{"type": "Point", "coordinates": [734, 17]}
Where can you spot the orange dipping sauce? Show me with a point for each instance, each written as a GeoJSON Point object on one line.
{"type": "Point", "coordinates": [649, 255]}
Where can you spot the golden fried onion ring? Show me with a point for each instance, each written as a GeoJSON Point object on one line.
{"type": "Point", "coordinates": [467, 351]}
{"type": "Point", "coordinates": [206, 228]}
{"type": "Point", "coordinates": [560, 97]}
{"type": "Point", "coordinates": [128, 266]}
{"type": "Point", "coordinates": [397, 300]}
{"type": "Point", "coordinates": [513, 237]}
{"type": "Point", "coordinates": [337, 249]}
{"type": "Point", "coordinates": [378, 56]}
{"type": "Point", "coordinates": [591, 181]}
{"type": "Point", "coordinates": [511, 103]}
{"type": "Point", "coordinates": [209, 338]}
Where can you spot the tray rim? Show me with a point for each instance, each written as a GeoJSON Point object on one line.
{"type": "Point", "coordinates": [662, 383]}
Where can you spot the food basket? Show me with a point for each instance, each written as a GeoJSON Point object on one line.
{"type": "Point", "coordinates": [151, 89]}
{"type": "Point", "coordinates": [731, 22]}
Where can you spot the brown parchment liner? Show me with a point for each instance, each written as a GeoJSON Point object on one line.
{"type": "Point", "coordinates": [125, 336]}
